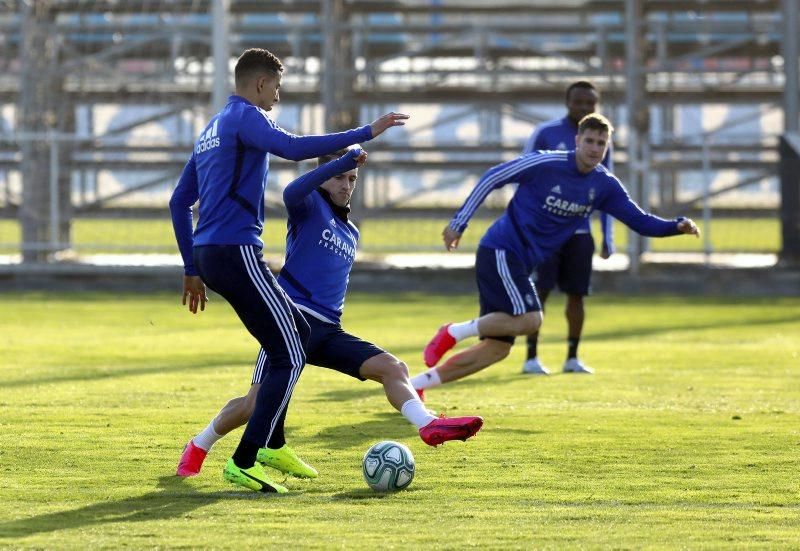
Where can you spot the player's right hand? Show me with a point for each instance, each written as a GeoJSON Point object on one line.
{"type": "Point", "coordinates": [451, 238]}
{"type": "Point", "coordinates": [195, 290]}
{"type": "Point", "coordinates": [389, 120]}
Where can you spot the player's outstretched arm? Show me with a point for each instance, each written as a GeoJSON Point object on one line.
{"type": "Point", "coordinates": [380, 125]}
{"type": "Point", "coordinates": [619, 204]}
{"type": "Point", "coordinates": [451, 238]}
{"type": "Point", "coordinates": [257, 130]}
{"type": "Point", "coordinates": [296, 194]}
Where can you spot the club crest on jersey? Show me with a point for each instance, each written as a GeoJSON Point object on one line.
{"type": "Point", "coordinates": [208, 140]}
{"type": "Point", "coordinates": [591, 194]}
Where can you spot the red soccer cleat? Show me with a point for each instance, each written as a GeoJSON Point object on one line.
{"type": "Point", "coordinates": [439, 345]}
{"type": "Point", "coordinates": [443, 429]}
{"type": "Point", "coordinates": [191, 460]}
{"type": "Point", "coordinates": [420, 393]}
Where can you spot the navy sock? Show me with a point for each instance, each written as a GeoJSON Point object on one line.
{"type": "Point", "coordinates": [573, 342]}
{"type": "Point", "coordinates": [245, 455]}
{"type": "Point", "coordinates": [533, 343]}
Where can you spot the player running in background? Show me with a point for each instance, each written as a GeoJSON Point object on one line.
{"type": "Point", "coordinates": [570, 266]}
{"type": "Point", "coordinates": [321, 244]}
{"type": "Point", "coordinates": [557, 192]}
{"type": "Point", "coordinates": [227, 173]}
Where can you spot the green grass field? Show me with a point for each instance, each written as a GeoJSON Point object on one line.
{"type": "Point", "coordinates": [687, 436]}
{"type": "Point", "coordinates": [390, 235]}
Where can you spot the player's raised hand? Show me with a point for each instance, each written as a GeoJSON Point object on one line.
{"type": "Point", "coordinates": [379, 126]}
{"type": "Point", "coordinates": [451, 238]}
{"type": "Point", "coordinates": [195, 290]}
{"type": "Point", "coordinates": [361, 159]}
{"type": "Point", "coordinates": [689, 227]}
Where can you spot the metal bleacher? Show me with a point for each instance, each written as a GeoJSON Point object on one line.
{"type": "Point", "coordinates": [497, 67]}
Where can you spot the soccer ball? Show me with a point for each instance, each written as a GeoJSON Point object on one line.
{"type": "Point", "coordinates": [388, 466]}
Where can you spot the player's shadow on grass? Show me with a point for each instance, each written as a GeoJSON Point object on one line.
{"type": "Point", "coordinates": [365, 390]}
{"type": "Point", "coordinates": [681, 324]}
{"type": "Point", "coordinates": [379, 426]}
{"type": "Point", "coordinates": [153, 369]}
{"type": "Point", "coordinates": [172, 499]}
{"type": "Point", "coordinates": [366, 493]}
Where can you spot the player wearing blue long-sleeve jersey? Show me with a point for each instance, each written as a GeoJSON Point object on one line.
{"type": "Point", "coordinates": [557, 192]}
{"type": "Point", "coordinates": [321, 244]}
{"type": "Point", "coordinates": [570, 267]}
{"type": "Point", "coordinates": [227, 174]}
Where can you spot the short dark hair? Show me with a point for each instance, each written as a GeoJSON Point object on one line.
{"type": "Point", "coordinates": [595, 121]}
{"type": "Point", "coordinates": [256, 61]}
{"type": "Point", "coordinates": [583, 84]}
{"type": "Point", "coordinates": [323, 159]}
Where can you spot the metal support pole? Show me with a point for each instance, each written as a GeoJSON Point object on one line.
{"type": "Point", "coordinates": [706, 198]}
{"type": "Point", "coordinates": [220, 46]}
{"type": "Point", "coordinates": [633, 101]}
{"type": "Point", "coordinates": [791, 57]}
{"type": "Point", "coordinates": [55, 220]}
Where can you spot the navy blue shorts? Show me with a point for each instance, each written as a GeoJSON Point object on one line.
{"type": "Point", "coordinates": [570, 267]}
{"type": "Point", "coordinates": [504, 285]}
{"type": "Point", "coordinates": [239, 274]}
{"type": "Point", "coordinates": [331, 347]}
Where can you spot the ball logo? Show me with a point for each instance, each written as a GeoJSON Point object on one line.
{"type": "Point", "coordinates": [209, 139]}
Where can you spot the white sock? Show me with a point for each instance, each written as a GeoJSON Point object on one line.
{"type": "Point", "coordinates": [207, 438]}
{"type": "Point", "coordinates": [414, 410]}
{"type": "Point", "coordinates": [461, 331]}
{"type": "Point", "coordinates": [427, 379]}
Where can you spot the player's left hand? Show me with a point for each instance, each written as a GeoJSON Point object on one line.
{"type": "Point", "coordinates": [361, 159]}
{"type": "Point", "coordinates": [195, 290]}
{"type": "Point", "coordinates": [689, 227]}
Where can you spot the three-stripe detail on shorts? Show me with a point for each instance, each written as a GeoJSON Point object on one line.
{"type": "Point", "coordinates": [514, 295]}
{"type": "Point", "coordinates": [281, 312]}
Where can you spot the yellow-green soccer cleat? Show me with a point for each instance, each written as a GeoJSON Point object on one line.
{"type": "Point", "coordinates": [286, 461]}
{"type": "Point", "coordinates": [253, 478]}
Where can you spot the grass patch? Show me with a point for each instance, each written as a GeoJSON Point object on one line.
{"type": "Point", "coordinates": [687, 436]}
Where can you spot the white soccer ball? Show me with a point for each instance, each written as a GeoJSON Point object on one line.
{"type": "Point", "coordinates": [388, 466]}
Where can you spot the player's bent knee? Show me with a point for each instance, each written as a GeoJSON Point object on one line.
{"type": "Point", "coordinates": [400, 370]}
{"type": "Point", "coordinates": [384, 367]}
{"type": "Point", "coordinates": [497, 350]}
{"type": "Point", "coordinates": [532, 321]}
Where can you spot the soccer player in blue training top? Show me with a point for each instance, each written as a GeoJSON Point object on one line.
{"type": "Point", "coordinates": [321, 245]}
{"type": "Point", "coordinates": [557, 191]}
{"type": "Point", "coordinates": [227, 173]}
{"type": "Point", "coordinates": [570, 266]}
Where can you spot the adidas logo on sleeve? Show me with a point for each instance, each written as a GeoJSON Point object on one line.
{"type": "Point", "coordinates": [208, 140]}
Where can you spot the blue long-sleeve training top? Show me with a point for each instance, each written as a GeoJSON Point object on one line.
{"type": "Point", "coordinates": [553, 200]}
{"type": "Point", "coordinates": [227, 172]}
{"type": "Point", "coordinates": [320, 247]}
{"type": "Point", "coordinates": [559, 135]}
